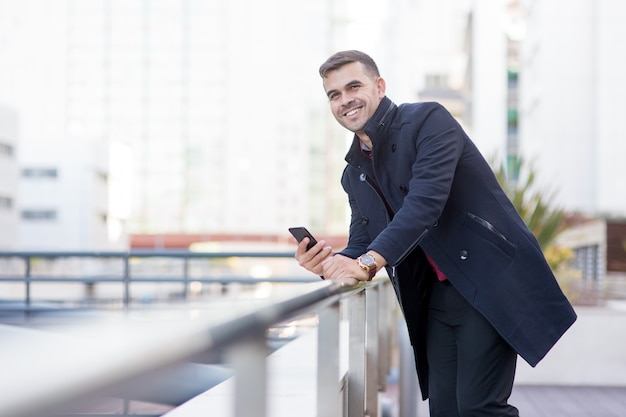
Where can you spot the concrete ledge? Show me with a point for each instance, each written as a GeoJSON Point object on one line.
{"type": "Point", "coordinates": [591, 353]}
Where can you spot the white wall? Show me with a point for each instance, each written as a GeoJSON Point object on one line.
{"type": "Point", "coordinates": [78, 196]}
{"type": "Point", "coordinates": [489, 78]}
{"type": "Point", "coordinates": [571, 91]}
{"type": "Point", "coordinates": [590, 353]}
{"type": "Point", "coordinates": [611, 96]}
{"type": "Point", "coordinates": [8, 178]}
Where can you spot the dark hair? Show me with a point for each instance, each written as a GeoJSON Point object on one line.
{"type": "Point", "coordinates": [342, 58]}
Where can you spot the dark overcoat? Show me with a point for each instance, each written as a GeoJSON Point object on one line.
{"type": "Point", "coordinates": [429, 190]}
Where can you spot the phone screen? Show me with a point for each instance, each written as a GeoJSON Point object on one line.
{"type": "Point", "coordinates": [300, 233]}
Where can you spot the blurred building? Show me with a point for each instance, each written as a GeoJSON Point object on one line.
{"type": "Point", "coordinates": [224, 114]}
{"type": "Point", "coordinates": [185, 85]}
{"type": "Point", "coordinates": [74, 203]}
{"type": "Point", "coordinates": [219, 101]}
{"type": "Point", "coordinates": [8, 178]}
{"type": "Point", "coordinates": [599, 247]}
{"type": "Point", "coordinates": [465, 58]}
{"type": "Point", "coordinates": [485, 81]}
{"type": "Point", "coordinates": [572, 91]}
{"type": "Point", "coordinates": [214, 98]}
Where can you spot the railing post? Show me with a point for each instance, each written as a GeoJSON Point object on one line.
{"type": "Point", "coordinates": [27, 273]}
{"type": "Point", "coordinates": [357, 356]}
{"type": "Point", "coordinates": [185, 277]}
{"type": "Point", "coordinates": [126, 295]}
{"type": "Point", "coordinates": [384, 335]}
{"type": "Point", "coordinates": [408, 384]}
{"type": "Point", "coordinates": [328, 389]}
{"type": "Point", "coordinates": [372, 351]}
{"type": "Point", "coordinates": [248, 359]}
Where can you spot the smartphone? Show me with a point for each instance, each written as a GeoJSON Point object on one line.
{"type": "Point", "coordinates": [300, 233]}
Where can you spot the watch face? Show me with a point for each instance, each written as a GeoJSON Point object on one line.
{"type": "Point", "coordinates": [367, 259]}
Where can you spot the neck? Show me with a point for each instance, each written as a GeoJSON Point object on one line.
{"type": "Point", "coordinates": [366, 140]}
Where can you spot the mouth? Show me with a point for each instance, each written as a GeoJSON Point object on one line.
{"type": "Point", "coordinates": [353, 111]}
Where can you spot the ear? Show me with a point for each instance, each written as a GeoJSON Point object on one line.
{"type": "Point", "coordinates": [381, 87]}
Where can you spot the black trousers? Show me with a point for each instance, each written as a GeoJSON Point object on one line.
{"type": "Point", "coordinates": [471, 368]}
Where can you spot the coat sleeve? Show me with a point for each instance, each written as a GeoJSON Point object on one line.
{"type": "Point", "coordinates": [358, 236]}
{"type": "Point", "coordinates": [439, 142]}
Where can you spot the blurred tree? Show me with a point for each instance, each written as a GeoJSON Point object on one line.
{"type": "Point", "coordinates": [535, 206]}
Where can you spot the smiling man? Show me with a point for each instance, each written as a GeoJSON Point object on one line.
{"type": "Point", "coordinates": [472, 281]}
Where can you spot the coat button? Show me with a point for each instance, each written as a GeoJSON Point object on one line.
{"type": "Point", "coordinates": [393, 147]}
{"type": "Point", "coordinates": [362, 177]}
{"type": "Point", "coordinates": [365, 220]}
{"type": "Point", "coordinates": [463, 255]}
{"type": "Point", "coordinates": [404, 189]}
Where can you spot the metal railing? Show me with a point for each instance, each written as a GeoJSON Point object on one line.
{"type": "Point", "coordinates": [111, 355]}
{"type": "Point", "coordinates": [117, 267]}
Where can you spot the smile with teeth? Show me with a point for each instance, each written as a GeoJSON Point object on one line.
{"type": "Point", "coordinates": [352, 112]}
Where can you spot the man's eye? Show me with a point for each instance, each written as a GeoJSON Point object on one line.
{"type": "Point", "coordinates": [333, 96]}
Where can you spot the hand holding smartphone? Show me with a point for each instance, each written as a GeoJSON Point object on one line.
{"type": "Point", "coordinates": [300, 233]}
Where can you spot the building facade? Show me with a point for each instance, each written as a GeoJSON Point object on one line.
{"type": "Point", "coordinates": [8, 178]}
{"type": "Point", "coordinates": [220, 103]}
{"type": "Point", "coordinates": [572, 90]}
{"type": "Point", "coordinates": [223, 111]}
{"type": "Point", "coordinates": [74, 203]}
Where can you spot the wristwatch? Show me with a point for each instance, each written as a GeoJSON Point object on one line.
{"type": "Point", "coordinates": [367, 262]}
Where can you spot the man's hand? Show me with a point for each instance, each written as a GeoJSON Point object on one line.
{"type": "Point", "coordinates": [311, 259]}
{"type": "Point", "coordinates": [342, 268]}
{"type": "Point", "coordinates": [347, 270]}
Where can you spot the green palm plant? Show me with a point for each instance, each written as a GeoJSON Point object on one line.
{"type": "Point", "coordinates": [535, 206]}
{"type": "Point", "coordinates": [543, 218]}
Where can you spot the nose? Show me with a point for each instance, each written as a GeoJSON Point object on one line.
{"type": "Point", "coordinates": [346, 99]}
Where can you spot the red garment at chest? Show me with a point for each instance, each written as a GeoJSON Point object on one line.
{"type": "Point", "coordinates": [440, 274]}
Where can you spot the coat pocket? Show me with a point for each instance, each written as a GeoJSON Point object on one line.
{"type": "Point", "coordinates": [489, 232]}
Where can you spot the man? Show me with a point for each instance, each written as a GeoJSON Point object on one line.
{"type": "Point", "coordinates": [471, 279]}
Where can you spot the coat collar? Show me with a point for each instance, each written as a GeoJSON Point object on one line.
{"type": "Point", "coordinates": [374, 128]}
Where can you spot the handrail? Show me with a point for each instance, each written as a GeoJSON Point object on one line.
{"type": "Point", "coordinates": [125, 277]}
{"type": "Point", "coordinates": [169, 253]}
{"type": "Point", "coordinates": [104, 354]}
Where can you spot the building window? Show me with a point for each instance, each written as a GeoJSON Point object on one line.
{"type": "Point", "coordinates": [588, 262]}
{"type": "Point", "coordinates": [102, 176]}
{"type": "Point", "coordinates": [436, 81]}
{"type": "Point", "coordinates": [6, 203]}
{"type": "Point", "coordinates": [512, 78]}
{"type": "Point", "coordinates": [512, 118]}
{"type": "Point", "coordinates": [513, 166]}
{"type": "Point", "coordinates": [39, 215]}
{"type": "Point", "coordinates": [6, 149]}
{"type": "Point", "coordinates": [39, 173]}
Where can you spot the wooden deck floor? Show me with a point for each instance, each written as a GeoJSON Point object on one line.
{"type": "Point", "coordinates": [532, 401]}
{"type": "Point", "coordinates": [563, 401]}
{"type": "Point", "coordinates": [550, 401]}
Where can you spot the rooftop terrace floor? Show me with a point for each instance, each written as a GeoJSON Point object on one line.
{"type": "Point", "coordinates": [561, 401]}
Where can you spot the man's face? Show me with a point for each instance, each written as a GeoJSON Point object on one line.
{"type": "Point", "coordinates": [354, 96]}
